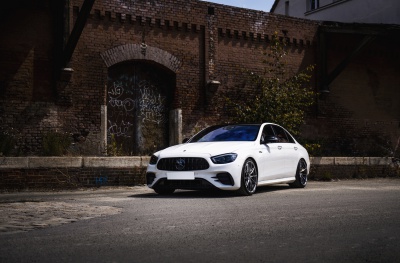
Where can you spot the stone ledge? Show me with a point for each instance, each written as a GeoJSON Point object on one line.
{"type": "Point", "coordinates": [52, 162]}
{"type": "Point", "coordinates": [380, 161]}
{"type": "Point", "coordinates": [355, 161]}
{"type": "Point", "coordinates": [142, 161]}
{"type": "Point", "coordinates": [322, 160]}
{"type": "Point", "coordinates": [112, 162]}
{"type": "Point", "coordinates": [13, 162]}
{"type": "Point", "coordinates": [351, 160]}
{"type": "Point", "coordinates": [145, 160]}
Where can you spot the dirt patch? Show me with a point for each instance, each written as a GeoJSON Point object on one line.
{"type": "Point", "coordinates": [28, 215]}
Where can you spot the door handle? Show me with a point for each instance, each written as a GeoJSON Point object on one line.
{"type": "Point", "coordinates": [295, 148]}
{"type": "Point", "coordinates": [279, 147]}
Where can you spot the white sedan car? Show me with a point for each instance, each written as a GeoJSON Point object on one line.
{"type": "Point", "coordinates": [236, 157]}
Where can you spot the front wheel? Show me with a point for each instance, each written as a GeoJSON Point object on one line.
{"type": "Point", "coordinates": [249, 178]}
{"type": "Point", "coordinates": [301, 175]}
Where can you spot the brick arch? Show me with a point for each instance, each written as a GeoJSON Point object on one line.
{"type": "Point", "coordinates": [134, 51]}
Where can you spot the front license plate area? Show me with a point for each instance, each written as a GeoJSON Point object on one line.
{"type": "Point", "coordinates": [180, 176]}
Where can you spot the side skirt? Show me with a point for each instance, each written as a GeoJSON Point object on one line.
{"type": "Point", "coordinates": [278, 181]}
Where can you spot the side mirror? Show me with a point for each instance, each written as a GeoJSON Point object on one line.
{"type": "Point", "coordinates": [185, 140]}
{"type": "Point", "coordinates": [270, 139]}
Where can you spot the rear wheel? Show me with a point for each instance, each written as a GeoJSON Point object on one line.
{"type": "Point", "coordinates": [249, 178]}
{"type": "Point", "coordinates": [164, 191]}
{"type": "Point", "coordinates": [301, 175]}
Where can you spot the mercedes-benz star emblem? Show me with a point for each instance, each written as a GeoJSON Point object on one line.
{"type": "Point", "coordinates": [180, 164]}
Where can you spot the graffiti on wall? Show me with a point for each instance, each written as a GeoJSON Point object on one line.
{"type": "Point", "coordinates": [119, 123]}
{"type": "Point", "coordinates": [137, 108]}
{"type": "Point", "coordinates": [148, 107]}
{"type": "Point", "coordinates": [152, 105]}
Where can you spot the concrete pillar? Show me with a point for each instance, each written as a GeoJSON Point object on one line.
{"type": "Point", "coordinates": [103, 130]}
{"type": "Point", "coordinates": [175, 127]}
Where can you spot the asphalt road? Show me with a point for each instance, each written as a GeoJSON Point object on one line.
{"type": "Point", "coordinates": [345, 221]}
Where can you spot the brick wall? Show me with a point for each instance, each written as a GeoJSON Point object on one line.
{"type": "Point", "coordinates": [183, 36]}
{"type": "Point", "coordinates": [69, 178]}
{"type": "Point", "coordinates": [22, 173]}
{"type": "Point", "coordinates": [203, 46]}
{"type": "Point", "coordinates": [196, 42]}
{"type": "Point", "coordinates": [26, 71]}
{"type": "Point", "coordinates": [361, 114]}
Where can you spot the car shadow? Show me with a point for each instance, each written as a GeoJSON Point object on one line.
{"type": "Point", "coordinates": [179, 194]}
{"type": "Point", "coordinates": [272, 188]}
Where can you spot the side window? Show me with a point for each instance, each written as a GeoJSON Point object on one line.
{"type": "Point", "coordinates": [313, 4]}
{"type": "Point", "coordinates": [286, 8]}
{"type": "Point", "coordinates": [289, 137]}
{"type": "Point", "coordinates": [267, 131]}
{"type": "Point", "coordinates": [281, 134]}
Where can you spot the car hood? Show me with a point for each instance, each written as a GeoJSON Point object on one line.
{"type": "Point", "coordinates": [203, 148]}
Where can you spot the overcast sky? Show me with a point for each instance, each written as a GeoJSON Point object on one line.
{"type": "Point", "coordinates": [264, 5]}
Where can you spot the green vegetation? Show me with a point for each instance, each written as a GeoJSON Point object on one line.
{"type": "Point", "coordinates": [113, 149]}
{"type": "Point", "coordinates": [279, 98]}
{"type": "Point", "coordinates": [55, 143]}
{"type": "Point", "coordinates": [313, 149]}
{"type": "Point", "coordinates": [7, 143]}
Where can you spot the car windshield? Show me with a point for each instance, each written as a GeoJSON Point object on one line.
{"type": "Point", "coordinates": [227, 133]}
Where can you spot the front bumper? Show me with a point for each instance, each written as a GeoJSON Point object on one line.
{"type": "Point", "coordinates": [221, 176]}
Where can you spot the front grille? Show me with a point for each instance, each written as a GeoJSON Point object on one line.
{"type": "Point", "coordinates": [182, 164]}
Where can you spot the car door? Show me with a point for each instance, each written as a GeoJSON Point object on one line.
{"type": "Point", "coordinates": [288, 151]}
{"type": "Point", "coordinates": [271, 162]}
{"type": "Point", "coordinates": [292, 156]}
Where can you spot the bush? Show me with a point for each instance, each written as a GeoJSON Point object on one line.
{"type": "Point", "coordinates": [313, 149]}
{"type": "Point", "coordinates": [113, 149]}
{"type": "Point", "coordinates": [279, 97]}
{"type": "Point", "coordinates": [7, 143]}
{"type": "Point", "coordinates": [55, 143]}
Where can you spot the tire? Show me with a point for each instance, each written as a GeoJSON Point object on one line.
{"type": "Point", "coordinates": [164, 191]}
{"type": "Point", "coordinates": [249, 178]}
{"type": "Point", "coordinates": [301, 175]}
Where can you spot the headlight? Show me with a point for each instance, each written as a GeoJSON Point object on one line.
{"type": "Point", "coordinates": [224, 158]}
{"type": "Point", "coordinates": [153, 159]}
